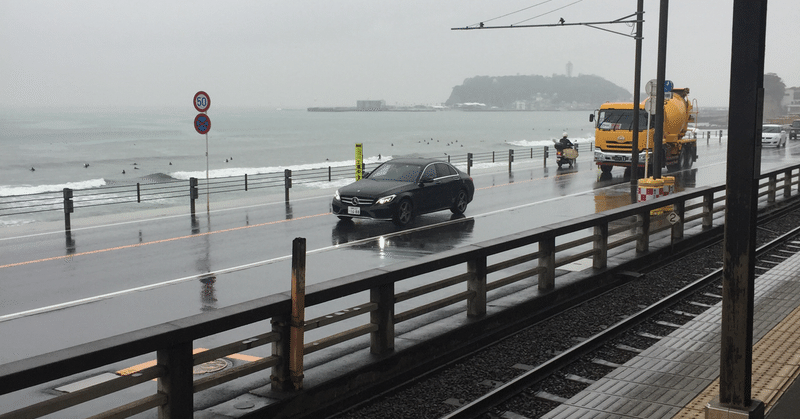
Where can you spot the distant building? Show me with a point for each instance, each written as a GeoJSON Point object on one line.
{"type": "Point", "coordinates": [371, 105]}
{"type": "Point", "coordinates": [791, 100]}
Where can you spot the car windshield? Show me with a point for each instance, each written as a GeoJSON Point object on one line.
{"type": "Point", "coordinates": [403, 172]}
{"type": "Point", "coordinates": [622, 119]}
{"type": "Point", "coordinates": [771, 129]}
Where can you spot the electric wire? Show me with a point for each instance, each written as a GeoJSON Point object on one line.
{"type": "Point", "coordinates": [511, 13]}
{"type": "Point", "coordinates": [543, 14]}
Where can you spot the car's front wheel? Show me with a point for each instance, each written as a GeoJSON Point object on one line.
{"type": "Point", "coordinates": [461, 203]}
{"type": "Point", "coordinates": [403, 213]}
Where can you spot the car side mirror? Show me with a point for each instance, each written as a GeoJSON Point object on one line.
{"type": "Point", "coordinates": [591, 117]}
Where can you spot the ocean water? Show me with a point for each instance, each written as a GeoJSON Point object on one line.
{"type": "Point", "coordinates": [90, 148]}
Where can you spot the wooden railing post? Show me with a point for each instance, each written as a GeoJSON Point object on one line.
{"type": "Point", "coordinates": [772, 187]}
{"type": "Point", "coordinates": [708, 211]}
{"type": "Point", "coordinates": [677, 226]}
{"type": "Point", "coordinates": [280, 372]}
{"type": "Point", "coordinates": [476, 306]}
{"type": "Point", "coordinates": [510, 159]}
{"type": "Point", "coordinates": [600, 259]}
{"type": "Point", "coordinates": [547, 260]}
{"type": "Point", "coordinates": [297, 321]}
{"type": "Point", "coordinates": [787, 183]}
{"type": "Point", "coordinates": [643, 242]}
{"type": "Point", "coordinates": [382, 340]}
{"type": "Point", "coordinates": [176, 384]}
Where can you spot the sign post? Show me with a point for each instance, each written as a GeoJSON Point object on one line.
{"type": "Point", "coordinates": [202, 124]}
{"type": "Point", "coordinates": [359, 161]}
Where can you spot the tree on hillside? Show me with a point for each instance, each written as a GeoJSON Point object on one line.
{"type": "Point", "coordinates": [556, 91]}
{"type": "Point", "coordinates": [774, 89]}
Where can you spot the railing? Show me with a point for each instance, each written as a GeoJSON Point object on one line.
{"type": "Point", "coordinates": [459, 276]}
{"type": "Point", "coordinates": [70, 200]}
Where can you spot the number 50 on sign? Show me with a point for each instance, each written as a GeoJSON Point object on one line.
{"type": "Point", "coordinates": [201, 101]}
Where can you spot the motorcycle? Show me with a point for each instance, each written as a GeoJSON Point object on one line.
{"type": "Point", "coordinates": [565, 154]}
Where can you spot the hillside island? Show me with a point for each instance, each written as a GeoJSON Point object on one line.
{"type": "Point", "coordinates": [511, 93]}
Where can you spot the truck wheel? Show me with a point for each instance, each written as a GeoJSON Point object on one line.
{"type": "Point", "coordinates": [687, 158]}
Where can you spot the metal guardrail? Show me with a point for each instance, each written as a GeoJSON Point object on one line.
{"type": "Point", "coordinates": [531, 255]}
{"type": "Point", "coordinates": [70, 200]}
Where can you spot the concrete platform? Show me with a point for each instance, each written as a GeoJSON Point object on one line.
{"type": "Point", "coordinates": [679, 376]}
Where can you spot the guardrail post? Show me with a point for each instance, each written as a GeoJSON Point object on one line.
{"type": "Point", "coordinates": [547, 260]}
{"type": "Point", "coordinates": [138, 193]}
{"type": "Point", "coordinates": [329, 173]}
{"type": "Point", "coordinates": [382, 340]}
{"type": "Point", "coordinates": [787, 183]}
{"type": "Point", "coordinates": [643, 242]}
{"type": "Point", "coordinates": [772, 187]}
{"type": "Point", "coordinates": [510, 159]}
{"type": "Point", "coordinates": [176, 384]}
{"type": "Point", "coordinates": [69, 208]}
{"type": "Point", "coordinates": [492, 156]}
{"type": "Point", "coordinates": [469, 162]}
{"type": "Point", "coordinates": [287, 182]}
{"type": "Point", "coordinates": [245, 182]}
{"type": "Point", "coordinates": [600, 259]}
{"type": "Point", "coordinates": [476, 306]}
{"type": "Point", "coordinates": [193, 193]}
{"type": "Point", "coordinates": [546, 154]}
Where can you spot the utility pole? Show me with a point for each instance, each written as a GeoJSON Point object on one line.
{"type": "Point", "coordinates": [637, 81]}
{"type": "Point", "coordinates": [658, 141]}
{"type": "Point", "coordinates": [741, 205]}
{"type": "Point", "coordinates": [637, 71]}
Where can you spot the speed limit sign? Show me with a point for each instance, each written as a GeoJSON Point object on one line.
{"type": "Point", "coordinates": [201, 101]}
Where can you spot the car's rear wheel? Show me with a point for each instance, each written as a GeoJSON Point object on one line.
{"type": "Point", "coordinates": [403, 214]}
{"type": "Point", "coordinates": [461, 203]}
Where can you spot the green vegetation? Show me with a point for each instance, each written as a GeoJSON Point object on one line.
{"type": "Point", "coordinates": [537, 92]}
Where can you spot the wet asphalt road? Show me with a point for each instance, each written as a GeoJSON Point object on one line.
{"type": "Point", "coordinates": [115, 276]}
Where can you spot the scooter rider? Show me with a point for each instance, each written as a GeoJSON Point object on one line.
{"type": "Point", "coordinates": [565, 142]}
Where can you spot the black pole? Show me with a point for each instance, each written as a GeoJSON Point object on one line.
{"type": "Point", "coordinates": [744, 158]}
{"type": "Point", "coordinates": [662, 65]}
{"type": "Point", "coordinates": [68, 208]}
{"type": "Point", "coordinates": [637, 81]}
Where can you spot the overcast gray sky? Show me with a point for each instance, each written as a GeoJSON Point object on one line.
{"type": "Point", "coordinates": [296, 54]}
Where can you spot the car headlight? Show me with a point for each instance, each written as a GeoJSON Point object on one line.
{"type": "Point", "coordinates": [336, 196]}
{"type": "Point", "coordinates": [385, 200]}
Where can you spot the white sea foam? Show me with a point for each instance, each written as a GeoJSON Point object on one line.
{"type": "Point", "coordinates": [548, 143]}
{"type": "Point", "coordinates": [241, 171]}
{"type": "Point", "coordinates": [15, 190]}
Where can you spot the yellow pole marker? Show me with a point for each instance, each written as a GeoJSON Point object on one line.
{"type": "Point", "coordinates": [359, 161]}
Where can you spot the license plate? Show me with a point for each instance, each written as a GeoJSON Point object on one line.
{"type": "Point", "coordinates": [354, 210]}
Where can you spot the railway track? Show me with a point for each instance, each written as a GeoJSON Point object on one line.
{"type": "Point", "coordinates": [532, 372]}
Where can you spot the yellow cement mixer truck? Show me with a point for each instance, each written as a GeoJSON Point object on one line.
{"type": "Point", "coordinates": [613, 134]}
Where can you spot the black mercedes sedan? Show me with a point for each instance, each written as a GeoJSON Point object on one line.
{"type": "Point", "coordinates": [400, 189]}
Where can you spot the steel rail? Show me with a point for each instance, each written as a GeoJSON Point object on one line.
{"type": "Point", "coordinates": [524, 381]}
